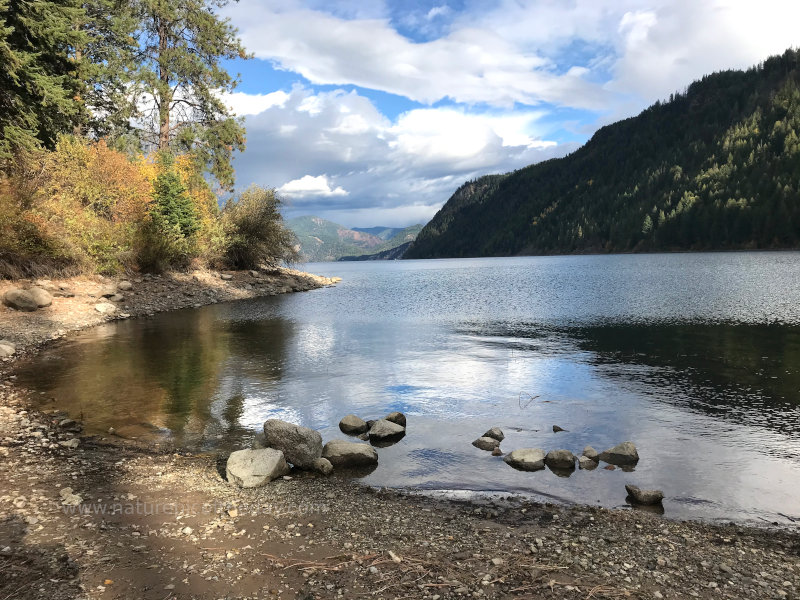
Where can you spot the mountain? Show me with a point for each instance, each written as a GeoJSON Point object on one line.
{"type": "Point", "coordinates": [321, 240]}
{"type": "Point", "coordinates": [716, 167]}
{"type": "Point", "coordinates": [391, 254]}
{"type": "Point", "coordinates": [385, 233]}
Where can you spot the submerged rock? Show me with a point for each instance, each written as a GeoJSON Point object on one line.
{"type": "Point", "coordinates": [560, 459]}
{"type": "Point", "coordinates": [301, 446]}
{"type": "Point", "coordinates": [496, 433]}
{"type": "Point", "coordinates": [497, 452]}
{"type": "Point", "coordinates": [343, 454]}
{"type": "Point", "coordinates": [254, 468]}
{"type": "Point", "coordinates": [621, 454]}
{"type": "Point", "coordinates": [353, 425]}
{"type": "Point", "coordinates": [526, 459]}
{"type": "Point", "coordinates": [556, 429]}
{"type": "Point", "coordinates": [646, 497]}
{"type": "Point", "coordinates": [486, 443]}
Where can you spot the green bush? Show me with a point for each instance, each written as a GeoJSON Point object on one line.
{"type": "Point", "coordinates": [256, 232]}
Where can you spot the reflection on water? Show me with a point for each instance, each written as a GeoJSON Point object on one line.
{"type": "Point", "coordinates": [693, 357]}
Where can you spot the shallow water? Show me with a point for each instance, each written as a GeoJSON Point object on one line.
{"type": "Point", "coordinates": [694, 357]}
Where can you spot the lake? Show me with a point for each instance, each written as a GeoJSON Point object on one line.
{"type": "Point", "coordinates": [693, 357]}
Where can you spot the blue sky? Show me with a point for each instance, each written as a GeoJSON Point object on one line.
{"type": "Point", "coordinates": [373, 113]}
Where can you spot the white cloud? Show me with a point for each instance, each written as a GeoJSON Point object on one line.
{"type": "Point", "coordinates": [402, 170]}
{"type": "Point", "coordinates": [309, 185]}
{"type": "Point", "coordinates": [242, 104]}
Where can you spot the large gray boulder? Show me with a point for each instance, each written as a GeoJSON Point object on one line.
{"type": "Point", "coordinates": [353, 425]}
{"type": "Point", "coordinates": [486, 443]}
{"type": "Point", "coordinates": [300, 445]}
{"type": "Point", "coordinates": [344, 454]}
{"type": "Point", "coordinates": [254, 468]}
{"type": "Point", "coordinates": [645, 497]}
{"type": "Point", "coordinates": [384, 431]}
{"type": "Point", "coordinates": [526, 459]}
{"type": "Point", "coordinates": [560, 459]}
{"type": "Point", "coordinates": [496, 433]}
{"type": "Point", "coordinates": [27, 300]}
{"type": "Point", "coordinates": [622, 454]}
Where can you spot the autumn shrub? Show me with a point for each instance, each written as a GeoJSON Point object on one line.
{"type": "Point", "coordinates": [255, 230]}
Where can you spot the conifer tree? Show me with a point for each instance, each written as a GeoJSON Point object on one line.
{"type": "Point", "coordinates": [38, 78]}
{"type": "Point", "coordinates": [182, 45]}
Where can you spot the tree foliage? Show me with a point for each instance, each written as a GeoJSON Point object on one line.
{"type": "Point", "coordinates": [180, 78]}
{"type": "Point", "coordinates": [716, 167]}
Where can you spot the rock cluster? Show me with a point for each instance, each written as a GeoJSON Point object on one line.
{"type": "Point", "coordinates": [380, 432]}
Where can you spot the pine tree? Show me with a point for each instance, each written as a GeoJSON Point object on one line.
{"type": "Point", "coordinates": [38, 83]}
{"type": "Point", "coordinates": [182, 44]}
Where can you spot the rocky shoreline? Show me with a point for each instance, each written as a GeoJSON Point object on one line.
{"type": "Point", "coordinates": [93, 517]}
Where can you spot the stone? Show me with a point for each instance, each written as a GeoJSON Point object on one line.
{"type": "Point", "coordinates": [496, 433]}
{"type": "Point", "coordinates": [41, 297]}
{"type": "Point", "coordinates": [20, 299]}
{"type": "Point", "coordinates": [107, 291]}
{"type": "Point", "coordinates": [105, 308]}
{"type": "Point", "coordinates": [486, 443]}
{"type": "Point", "coordinates": [586, 463]}
{"type": "Point", "coordinates": [117, 298]}
{"type": "Point", "coordinates": [72, 444]}
{"type": "Point", "coordinates": [322, 466]}
{"type": "Point", "coordinates": [353, 425]}
{"type": "Point", "coordinates": [384, 431]}
{"type": "Point", "coordinates": [7, 348]}
{"type": "Point", "coordinates": [300, 445]}
{"type": "Point", "coordinates": [622, 454]}
{"type": "Point", "coordinates": [556, 429]}
{"type": "Point", "coordinates": [344, 454]}
{"type": "Point", "coordinates": [259, 441]}
{"type": "Point", "coordinates": [397, 418]}
{"type": "Point", "coordinates": [226, 276]}
{"type": "Point", "coordinates": [497, 452]}
{"type": "Point", "coordinates": [645, 497]}
{"type": "Point", "coordinates": [591, 453]}
{"type": "Point", "coordinates": [68, 498]}
{"type": "Point", "coordinates": [560, 459]}
{"type": "Point", "coordinates": [254, 468]}
{"type": "Point", "coordinates": [526, 459]}
{"type": "Point", "coordinates": [125, 286]}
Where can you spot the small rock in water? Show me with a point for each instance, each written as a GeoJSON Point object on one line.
{"type": "Point", "coordinates": [591, 453]}
{"type": "Point", "coordinates": [586, 463]}
{"type": "Point", "coordinates": [497, 452]}
{"type": "Point", "coordinates": [646, 497]}
{"type": "Point", "coordinates": [397, 418]}
{"type": "Point", "coordinates": [496, 433]}
{"type": "Point", "coordinates": [486, 443]}
{"type": "Point", "coordinates": [384, 431]}
{"type": "Point", "coordinates": [621, 454]}
{"type": "Point", "coordinates": [526, 459]}
{"type": "Point", "coordinates": [556, 429]}
{"type": "Point", "coordinates": [353, 425]}
{"type": "Point", "coordinates": [560, 459]}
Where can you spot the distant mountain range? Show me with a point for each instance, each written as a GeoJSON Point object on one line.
{"type": "Point", "coordinates": [322, 240]}
{"type": "Point", "coordinates": [714, 168]}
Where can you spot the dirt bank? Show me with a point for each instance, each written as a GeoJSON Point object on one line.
{"type": "Point", "coordinates": [139, 522]}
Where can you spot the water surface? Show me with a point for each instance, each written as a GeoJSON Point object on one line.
{"type": "Point", "coordinates": [694, 357]}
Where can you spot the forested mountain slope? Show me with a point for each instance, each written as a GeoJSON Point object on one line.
{"type": "Point", "coordinates": [716, 167]}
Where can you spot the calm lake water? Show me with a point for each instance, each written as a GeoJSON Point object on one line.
{"type": "Point", "coordinates": [694, 357]}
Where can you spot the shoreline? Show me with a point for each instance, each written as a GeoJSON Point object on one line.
{"type": "Point", "coordinates": [155, 523]}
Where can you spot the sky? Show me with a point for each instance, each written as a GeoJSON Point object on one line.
{"type": "Point", "coordinates": [373, 112]}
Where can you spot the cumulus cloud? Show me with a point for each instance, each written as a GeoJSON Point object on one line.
{"type": "Point", "coordinates": [402, 169]}
{"type": "Point", "coordinates": [309, 185]}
